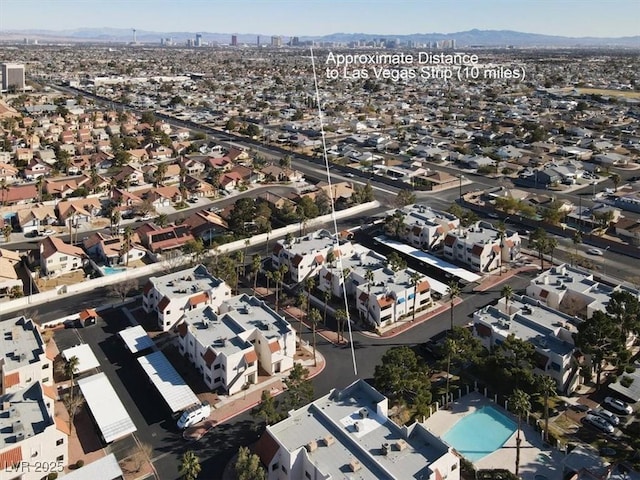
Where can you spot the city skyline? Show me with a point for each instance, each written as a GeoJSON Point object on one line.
{"type": "Point", "coordinates": [566, 18]}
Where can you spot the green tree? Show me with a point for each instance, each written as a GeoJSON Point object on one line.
{"type": "Point", "coordinates": [401, 375]}
{"type": "Point", "coordinates": [394, 224]}
{"type": "Point", "coordinates": [460, 346]}
{"type": "Point", "coordinates": [615, 179]}
{"type": "Point", "coordinates": [189, 465]}
{"type": "Point", "coordinates": [577, 240]}
{"type": "Point", "coordinates": [326, 296]}
{"type": "Point", "coordinates": [520, 404]}
{"type": "Point", "coordinates": [196, 248]}
{"type": "Point", "coordinates": [267, 410]}
{"type": "Point", "coordinates": [624, 307]}
{"type": "Point", "coordinates": [70, 369]}
{"type": "Point", "coordinates": [162, 220]}
{"type": "Point", "coordinates": [453, 290]}
{"type": "Point", "coordinates": [314, 318]}
{"type": "Point", "coordinates": [404, 197]}
{"type": "Point", "coordinates": [415, 278]}
{"type": "Point", "coordinates": [507, 293]}
{"type": "Point", "coordinates": [256, 263]}
{"type": "Point", "coordinates": [248, 466]}
{"type": "Point", "coordinates": [598, 336]}
{"type": "Point", "coordinates": [395, 262]}
{"type": "Point", "coordinates": [341, 318]}
{"type": "Point", "coordinates": [6, 232]}
{"type": "Point", "coordinates": [299, 387]}
{"type": "Point", "coordinates": [539, 241]}
{"type": "Point", "coordinates": [546, 386]}
{"type": "Point", "coordinates": [516, 357]}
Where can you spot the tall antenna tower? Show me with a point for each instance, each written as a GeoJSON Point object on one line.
{"type": "Point", "coordinates": [134, 36]}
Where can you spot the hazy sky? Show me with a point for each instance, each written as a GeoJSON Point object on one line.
{"type": "Point", "coordinates": [599, 18]}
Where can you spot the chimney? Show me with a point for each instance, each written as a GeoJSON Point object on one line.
{"type": "Point", "coordinates": [354, 465]}
{"type": "Point", "coordinates": [312, 446]}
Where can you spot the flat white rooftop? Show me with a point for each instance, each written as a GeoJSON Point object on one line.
{"type": "Point", "coordinates": [424, 257]}
{"type": "Point", "coordinates": [169, 383]}
{"type": "Point", "coordinates": [86, 359]}
{"type": "Point", "coordinates": [107, 409]}
{"type": "Point", "coordinates": [106, 468]}
{"type": "Point", "coordinates": [136, 339]}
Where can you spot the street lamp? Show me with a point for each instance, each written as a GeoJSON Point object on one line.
{"type": "Point", "coordinates": [604, 264]}
{"type": "Point", "coordinates": [460, 177]}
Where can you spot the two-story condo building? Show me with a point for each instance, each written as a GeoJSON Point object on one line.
{"type": "Point", "coordinates": [22, 355]}
{"type": "Point", "coordinates": [550, 331]}
{"type": "Point", "coordinates": [426, 228]}
{"type": "Point", "coordinates": [170, 296]}
{"type": "Point", "coordinates": [390, 296]}
{"type": "Point", "coordinates": [348, 434]}
{"type": "Point", "coordinates": [229, 347]}
{"type": "Point", "coordinates": [30, 434]}
{"type": "Point", "coordinates": [305, 256]}
{"type": "Point", "coordinates": [482, 247]}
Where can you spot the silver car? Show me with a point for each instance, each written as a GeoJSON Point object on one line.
{"type": "Point", "coordinates": [598, 423]}
{"type": "Point", "coordinates": [608, 416]}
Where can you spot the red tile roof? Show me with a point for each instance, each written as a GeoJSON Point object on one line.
{"type": "Point", "coordinates": [477, 250]}
{"type": "Point", "coordinates": [198, 299]}
{"type": "Point", "coordinates": [251, 356]}
{"type": "Point", "coordinates": [296, 260]}
{"type": "Point", "coordinates": [62, 426]}
{"type": "Point", "coordinates": [164, 303]}
{"type": "Point", "coordinates": [274, 347]}
{"type": "Point", "coordinates": [385, 301]}
{"type": "Point", "coordinates": [11, 380]}
{"type": "Point", "coordinates": [209, 357]}
{"type": "Point", "coordinates": [363, 297]}
{"type": "Point", "coordinates": [88, 313]}
{"type": "Point", "coordinates": [147, 288]}
{"type": "Point", "coordinates": [319, 259]}
{"type": "Point", "coordinates": [10, 458]}
{"type": "Point", "coordinates": [544, 293]}
{"type": "Point", "coordinates": [449, 240]}
{"type": "Point", "coordinates": [423, 286]}
{"type": "Point", "coordinates": [266, 448]}
{"type": "Point", "coordinates": [50, 391]}
{"type": "Point", "coordinates": [182, 329]}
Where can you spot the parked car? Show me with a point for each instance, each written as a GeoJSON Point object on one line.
{"type": "Point", "coordinates": [193, 415]}
{"type": "Point", "coordinates": [598, 422]}
{"type": "Point", "coordinates": [595, 251]}
{"type": "Point", "coordinates": [146, 217]}
{"type": "Point", "coordinates": [618, 406]}
{"type": "Point", "coordinates": [579, 407]}
{"type": "Point", "coordinates": [607, 415]}
{"type": "Point", "coordinates": [47, 232]}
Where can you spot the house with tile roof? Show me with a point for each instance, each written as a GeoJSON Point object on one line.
{"type": "Point", "coordinates": [172, 295]}
{"type": "Point", "coordinates": [58, 257]}
{"type": "Point", "coordinates": [8, 276]}
{"type": "Point", "coordinates": [230, 346]}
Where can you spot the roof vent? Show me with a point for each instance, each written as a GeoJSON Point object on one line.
{"type": "Point", "coordinates": [364, 413]}
{"type": "Point", "coordinates": [385, 449]}
{"type": "Point", "coordinates": [355, 465]}
{"type": "Point", "coordinates": [312, 446]}
{"type": "Point", "coordinates": [328, 440]}
{"type": "Point", "coordinates": [400, 445]}
{"type": "Point", "coordinates": [357, 426]}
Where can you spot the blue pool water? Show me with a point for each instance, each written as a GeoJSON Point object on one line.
{"type": "Point", "coordinates": [112, 270]}
{"type": "Point", "coordinates": [480, 433]}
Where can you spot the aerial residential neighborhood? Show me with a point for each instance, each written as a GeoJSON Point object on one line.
{"type": "Point", "coordinates": [319, 255]}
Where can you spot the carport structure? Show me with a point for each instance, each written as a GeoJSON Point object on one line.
{"type": "Point", "coordinates": [168, 381]}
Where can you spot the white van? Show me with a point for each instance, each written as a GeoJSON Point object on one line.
{"type": "Point", "coordinates": [193, 415]}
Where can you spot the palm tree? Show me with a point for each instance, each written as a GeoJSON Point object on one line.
{"type": "Point", "coordinates": [159, 173]}
{"type": "Point", "coordinates": [615, 179]}
{"type": "Point", "coordinates": [5, 189]}
{"type": "Point", "coordinates": [552, 244]}
{"type": "Point", "coordinates": [162, 220]}
{"type": "Point", "coordinates": [128, 235]}
{"type": "Point", "coordinates": [309, 284]}
{"type": "Point", "coordinates": [277, 278]}
{"type": "Point", "coordinates": [326, 296]}
{"type": "Point", "coordinates": [547, 387]}
{"type": "Point", "coordinates": [341, 318]}
{"type": "Point", "coordinates": [520, 404]}
{"type": "Point", "coordinates": [247, 242]}
{"type": "Point", "coordinates": [577, 240]}
{"type": "Point", "coordinates": [450, 347]}
{"type": "Point", "coordinates": [256, 262]}
{"type": "Point", "coordinates": [314, 318]}
{"type": "Point", "coordinates": [39, 183]}
{"type": "Point", "coordinates": [453, 289]}
{"type": "Point", "coordinates": [368, 276]}
{"type": "Point", "coordinates": [190, 465]}
{"type": "Point", "coordinates": [415, 278]}
{"type": "Point", "coordinates": [507, 293]}
{"type": "Point", "coordinates": [70, 369]}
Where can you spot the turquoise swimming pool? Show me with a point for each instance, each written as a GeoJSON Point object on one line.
{"type": "Point", "coordinates": [480, 433]}
{"type": "Point", "coordinates": [112, 270]}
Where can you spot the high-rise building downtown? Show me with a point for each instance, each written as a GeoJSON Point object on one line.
{"type": "Point", "coordinates": [13, 77]}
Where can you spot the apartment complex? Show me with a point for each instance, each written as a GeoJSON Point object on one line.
{"type": "Point", "coordinates": [304, 256]}
{"type": "Point", "coordinates": [30, 434]}
{"type": "Point", "coordinates": [426, 228]}
{"type": "Point", "coordinates": [228, 348]}
{"type": "Point", "coordinates": [23, 359]}
{"type": "Point", "coordinates": [571, 290]}
{"type": "Point", "coordinates": [172, 295]}
{"type": "Point", "coordinates": [482, 247]}
{"type": "Point", "coordinates": [348, 434]}
{"type": "Point", "coordinates": [550, 331]}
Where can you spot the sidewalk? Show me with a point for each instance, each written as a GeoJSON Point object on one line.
{"type": "Point", "coordinates": [494, 279]}
{"type": "Point", "coordinates": [227, 407]}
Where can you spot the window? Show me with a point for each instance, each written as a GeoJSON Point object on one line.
{"type": "Point", "coordinates": [45, 379]}
{"type": "Point", "coordinates": [216, 366]}
{"type": "Point", "coordinates": [216, 380]}
{"type": "Point", "coordinates": [207, 378]}
{"type": "Point", "coordinates": [45, 366]}
{"type": "Point", "coordinates": [168, 312]}
{"type": "Point", "coordinates": [307, 475]}
{"type": "Point", "coordinates": [64, 258]}
{"type": "Point", "coordinates": [274, 467]}
{"type": "Point", "coordinates": [284, 469]}
{"type": "Point", "coordinates": [59, 441]}
{"type": "Point", "coordinates": [60, 458]}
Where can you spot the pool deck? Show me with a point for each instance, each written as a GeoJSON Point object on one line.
{"type": "Point", "coordinates": [535, 459]}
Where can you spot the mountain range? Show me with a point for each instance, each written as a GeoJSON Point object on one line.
{"type": "Point", "coordinates": [483, 38]}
